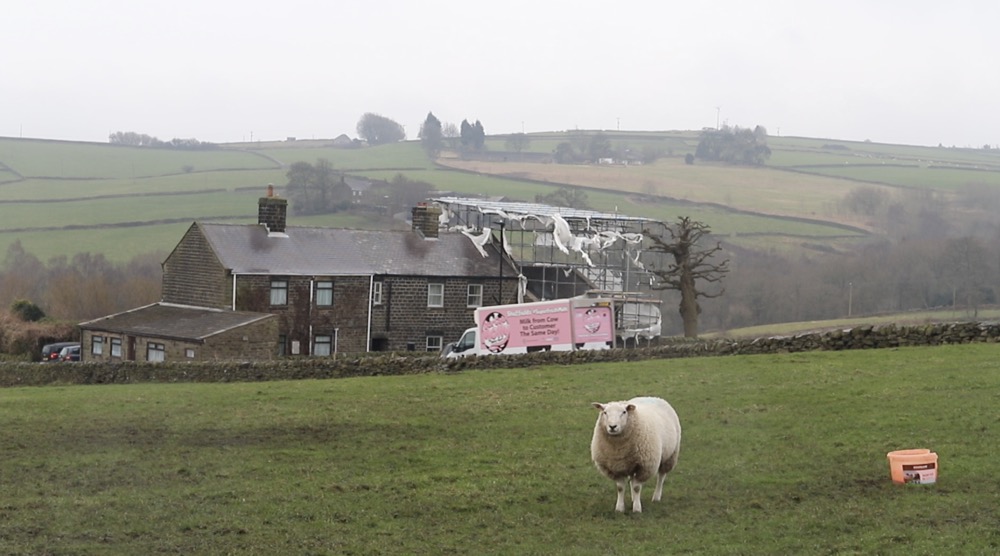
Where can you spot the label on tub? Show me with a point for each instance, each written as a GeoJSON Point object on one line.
{"type": "Point", "coordinates": [920, 473]}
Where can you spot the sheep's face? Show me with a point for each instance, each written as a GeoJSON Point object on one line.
{"type": "Point", "coordinates": [614, 417]}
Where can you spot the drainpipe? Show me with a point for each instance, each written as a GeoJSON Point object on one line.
{"type": "Point", "coordinates": [371, 292]}
{"type": "Point", "coordinates": [234, 291]}
{"type": "Point", "coordinates": [309, 313]}
{"type": "Point", "coordinates": [336, 337]}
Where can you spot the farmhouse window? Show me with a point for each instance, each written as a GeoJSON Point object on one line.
{"type": "Point", "coordinates": [376, 293]}
{"type": "Point", "coordinates": [279, 292]}
{"type": "Point", "coordinates": [189, 353]}
{"type": "Point", "coordinates": [97, 345]}
{"type": "Point", "coordinates": [475, 295]}
{"type": "Point", "coordinates": [322, 345]}
{"type": "Point", "coordinates": [282, 345]}
{"type": "Point", "coordinates": [324, 293]}
{"type": "Point", "coordinates": [434, 343]}
{"type": "Point", "coordinates": [155, 352]}
{"type": "Point", "coordinates": [435, 295]}
{"type": "Point", "coordinates": [116, 347]}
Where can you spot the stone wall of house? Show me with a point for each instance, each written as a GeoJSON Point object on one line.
{"type": "Point", "coordinates": [401, 321]}
{"type": "Point", "coordinates": [867, 337]}
{"type": "Point", "coordinates": [255, 341]}
{"type": "Point", "coordinates": [192, 275]}
{"type": "Point", "coordinates": [300, 320]}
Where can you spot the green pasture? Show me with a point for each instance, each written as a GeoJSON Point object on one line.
{"type": "Point", "coordinates": [118, 244]}
{"type": "Point", "coordinates": [118, 210]}
{"type": "Point", "coordinates": [782, 454]}
{"type": "Point", "coordinates": [911, 318]}
{"type": "Point", "coordinates": [72, 189]}
{"type": "Point", "coordinates": [66, 159]}
{"type": "Point", "coordinates": [404, 155]}
{"type": "Point", "coordinates": [77, 177]}
{"type": "Point", "coordinates": [946, 179]}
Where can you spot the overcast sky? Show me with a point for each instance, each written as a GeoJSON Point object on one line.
{"type": "Point", "coordinates": [908, 71]}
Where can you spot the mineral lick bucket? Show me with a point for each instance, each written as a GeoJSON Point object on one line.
{"type": "Point", "coordinates": [913, 467]}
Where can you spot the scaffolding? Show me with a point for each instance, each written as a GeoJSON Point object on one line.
{"type": "Point", "coordinates": [564, 252]}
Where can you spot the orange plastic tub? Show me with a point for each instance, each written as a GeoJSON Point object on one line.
{"type": "Point", "coordinates": [913, 467]}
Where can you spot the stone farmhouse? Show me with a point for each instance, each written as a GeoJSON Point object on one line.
{"type": "Point", "coordinates": [266, 290]}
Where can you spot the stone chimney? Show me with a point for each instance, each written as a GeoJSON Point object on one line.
{"type": "Point", "coordinates": [425, 220]}
{"type": "Point", "coordinates": [271, 212]}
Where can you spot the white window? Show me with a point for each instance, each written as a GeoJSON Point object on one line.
{"type": "Point", "coordinates": [434, 343]}
{"type": "Point", "coordinates": [324, 293]}
{"type": "Point", "coordinates": [116, 347]}
{"type": "Point", "coordinates": [475, 295]}
{"type": "Point", "coordinates": [189, 353]}
{"type": "Point", "coordinates": [97, 345]}
{"type": "Point", "coordinates": [279, 292]}
{"type": "Point", "coordinates": [435, 295]}
{"type": "Point", "coordinates": [376, 293]}
{"type": "Point", "coordinates": [155, 352]}
{"type": "Point", "coordinates": [322, 345]}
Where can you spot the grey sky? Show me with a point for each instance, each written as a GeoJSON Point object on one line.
{"type": "Point", "coordinates": [914, 72]}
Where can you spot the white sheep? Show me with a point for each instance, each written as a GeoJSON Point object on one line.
{"type": "Point", "coordinates": [632, 441]}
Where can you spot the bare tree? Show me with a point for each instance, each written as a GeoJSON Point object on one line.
{"type": "Point", "coordinates": [691, 264]}
{"type": "Point", "coordinates": [517, 142]}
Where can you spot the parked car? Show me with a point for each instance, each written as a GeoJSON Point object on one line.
{"type": "Point", "coordinates": [50, 352]}
{"type": "Point", "coordinates": [70, 353]}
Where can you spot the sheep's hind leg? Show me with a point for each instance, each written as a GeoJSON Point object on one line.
{"type": "Point", "coordinates": [636, 496]}
{"type": "Point", "coordinates": [620, 504]}
{"type": "Point", "coordinates": [658, 493]}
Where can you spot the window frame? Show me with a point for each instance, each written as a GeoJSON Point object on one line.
{"type": "Point", "coordinates": [116, 347]}
{"type": "Point", "coordinates": [158, 348]}
{"type": "Point", "coordinates": [279, 290]}
{"type": "Point", "coordinates": [97, 345]}
{"type": "Point", "coordinates": [328, 344]}
{"type": "Point", "coordinates": [376, 293]}
{"type": "Point", "coordinates": [470, 299]}
{"type": "Point", "coordinates": [324, 287]}
{"type": "Point", "coordinates": [431, 296]}
{"type": "Point", "coordinates": [438, 340]}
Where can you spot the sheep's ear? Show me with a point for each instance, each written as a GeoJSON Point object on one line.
{"type": "Point", "coordinates": [630, 408]}
{"type": "Point", "coordinates": [599, 406]}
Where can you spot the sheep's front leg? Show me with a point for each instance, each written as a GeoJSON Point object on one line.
{"type": "Point", "coordinates": [620, 504]}
{"type": "Point", "coordinates": [636, 499]}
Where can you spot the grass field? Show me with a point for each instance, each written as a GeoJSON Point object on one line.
{"type": "Point", "coordinates": [900, 319]}
{"type": "Point", "coordinates": [64, 159]}
{"type": "Point", "coordinates": [781, 454]}
{"type": "Point", "coordinates": [52, 191]}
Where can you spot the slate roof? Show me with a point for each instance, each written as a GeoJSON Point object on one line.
{"type": "Point", "coordinates": [248, 249]}
{"type": "Point", "coordinates": [178, 322]}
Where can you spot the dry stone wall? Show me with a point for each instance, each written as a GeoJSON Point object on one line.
{"type": "Point", "coordinates": [865, 337]}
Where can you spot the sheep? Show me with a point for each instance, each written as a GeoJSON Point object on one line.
{"type": "Point", "coordinates": [632, 441]}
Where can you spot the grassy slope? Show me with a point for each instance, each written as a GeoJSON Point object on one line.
{"type": "Point", "coordinates": [781, 455]}
{"type": "Point", "coordinates": [48, 185]}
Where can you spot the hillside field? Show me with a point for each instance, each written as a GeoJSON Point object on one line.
{"type": "Point", "coordinates": [59, 198]}
{"type": "Point", "coordinates": [782, 454]}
